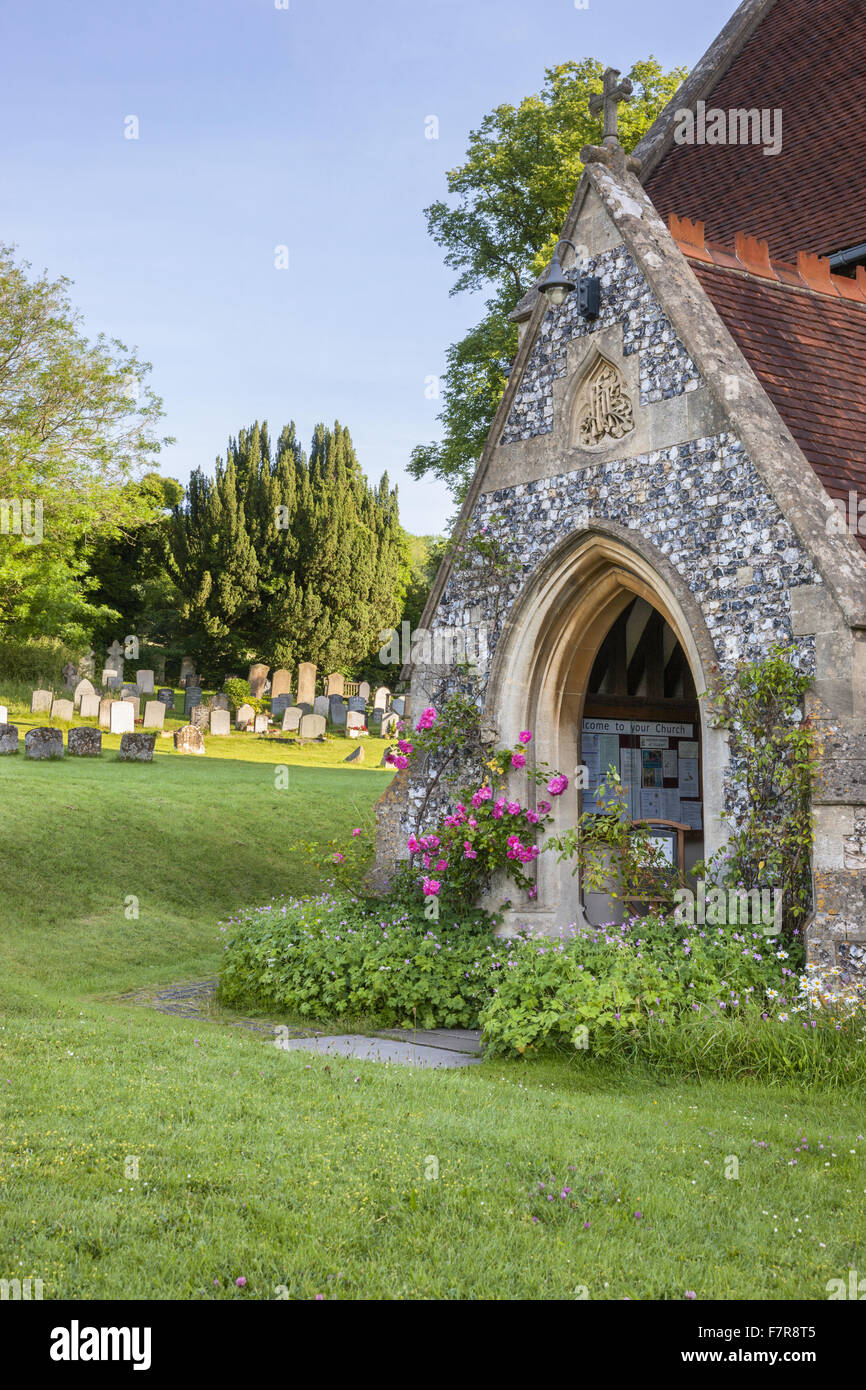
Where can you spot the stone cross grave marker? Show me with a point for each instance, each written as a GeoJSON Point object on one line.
{"type": "Point", "coordinates": [115, 658]}
{"type": "Point", "coordinates": [70, 675]}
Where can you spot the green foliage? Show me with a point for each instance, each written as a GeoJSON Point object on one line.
{"type": "Point", "coordinates": [344, 957]}
{"type": "Point", "coordinates": [34, 661]}
{"type": "Point", "coordinates": [613, 980]}
{"type": "Point", "coordinates": [77, 422]}
{"type": "Point", "coordinates": [509, 201]}
{"type": "Point", "coordinates": [774, 758]}
{"type": "Point", "coordinates": [286, 558]}
{"type": "Point", "coordinates": [238, 691]}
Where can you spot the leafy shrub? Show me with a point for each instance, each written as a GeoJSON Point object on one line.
{"type": "Point", "coordinates": [36, 661]}
{"type": "Point", "coordinates": [345, 957]}
{"type": "Point", "coordinates": [238, 691]}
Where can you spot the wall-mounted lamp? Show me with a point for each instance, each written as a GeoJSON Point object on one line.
{"type": "Point", "coordinates": [556, 285]}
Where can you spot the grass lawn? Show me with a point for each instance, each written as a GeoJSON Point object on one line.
{"type": "Point", "coordinates": [312, 1177]}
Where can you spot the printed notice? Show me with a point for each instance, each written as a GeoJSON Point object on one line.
{"type": "Point", "coordinates": [690, 814]}
{"type": "Point", "coordinates": [654, 741]}
{"type": "Point", "coordinates": [670, 803]}
{"type": "Point", "coordinates": [651, 805]}
{"type": "Point", "coordinates": [688, 777]}
{"type": "Point", "coordinates": [669, 763]}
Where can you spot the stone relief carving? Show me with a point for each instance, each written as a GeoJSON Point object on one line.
{"type": "Point", "coordinates": [603, 409]}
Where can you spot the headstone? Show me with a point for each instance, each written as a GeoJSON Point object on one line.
{"type": "Point", "coordinates": [305, 708]}
{"type": "Point", "coordinates": [220, 701]}
{"type": "Point", "coordinates": [43, 743]}
{"type": "Point", "coordinates": [376, 717]}
{"type": "Point", "coordinates": [364, 691]}
{"type": "Point", "coordinates": [312, 726]}
{"type": "Point", "coordinates": [338, 713]}
{"type": "Point", "coordinates": [41, 702]}
{"type": "Point", "coordinates": [128, 689]}
{"type": "Point", "coordinates": [70, 675]}
{"type": "Point", "coordinates": [83, 688]}
{"type": "Point", "coordinates": [121, 717]}
{"type": "Point", "coordinates": [188, 739]}
{"type": "Point", "coordinates": [357, 703]}
{"type": "Point", "coordinates": [261, 724]}
{"type": "Point", "coordinates": [4, 714]}
{"type": "Point", "coordinates": [154, 714]}
{"type": "Point", "coordinates": [281, 683]}
{"type": "Point", "coordinates": [62, 709]}
{"type": "Point", "coordinates": [137, 748]}
{"type": "Point", "coordinates": [220, 721]}
{"type": "Point", "coordinates": [389, 724]}
{"type": "Point", "coordinates": [381, 698]}
{"type": "Point", "coordinates": [244, 717]}
{"type": "Point", "coordinates": [87, 666]}
{"type": "Point", "coordinates": [356, 756]}
{"type": "Point", "coordinates": [115, 658]}
{"type": "Point", "coordinates": [84, 742]}
{"type": "Point", "coordinates": [322, 705]}
{"type": "Point", "coordinates": [135, 701]}
{"type": "Point", "coordinates": [199, 716]}
{"type": "Point", "coordinates": [335, 683]}
{"type": "Point", "coordinates": [398, 705]}
{"type": "Point", "coordinates": [187, 668]}
{"type": "Point", "coordinates": [89, 707]}
{"type": "Point", "coordinates": [192, 697]}
{"type": "Point", "coordinates": [105, 713]}
{"type": "Point", "coordinates": [8, 738]}
{"type": "Point", "coordinates": [258, 675]}
{"type": "Point", "coordinates": [306, 683]}
{"type": "Point", "coordinates": [292, 718]}
{"type": "Point", "coordinates": [109, 676]}
{"type": "Point", "coordinates": [166, 697]}
{"type": "Point", "coordinates": [355, 719]}
{"type": "Point", "coordinates": [280, 703]}
{"type": "Point", "coordinates": [144, 681]}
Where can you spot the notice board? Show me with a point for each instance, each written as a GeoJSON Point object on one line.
{"type": "Point", "coordinates": [659, 765]}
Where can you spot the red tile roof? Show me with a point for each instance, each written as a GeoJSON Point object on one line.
{"type": "Point", "coordinates": [803, 332]}
{"type": "Point", "coordinates": [807, 58]}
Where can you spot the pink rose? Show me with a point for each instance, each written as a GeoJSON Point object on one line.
{"type": "Point", "coordinates": [397, 760]}
{"type": "Point", "coordinates": [518, 760]}
{"type": "Point", "coordinates": [357, 832]}
{"type": "Point", "coordinates": [498, 808]}
{"type": "Point", "coordinates": [412, 845]}
{"type": "Point", "coordinates": [482, 794]}
{"type": "Point", "coordinates": [442, 866]}
{"type": "Point", "coordinates": [404, 746]}
{"type": "Point", "coordinates": [427, 720]}
{"type": "Point", "coordinates": [532, 817]}
{"type": "Point", "coordinates": [513, 808]}
{"type": "Point", "coordinates": [543, 808]}
{"type": "Point", "coordinates": [431, 888]}
{"type": "Point", "coordinates": [468, 851]}
{"type": "Point", "coordinates": [525, 737]}
{"type": "Point", "coordinates": [557, 785]}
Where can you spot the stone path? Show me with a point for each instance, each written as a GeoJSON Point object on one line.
{"type": "Point", "coordinates": [436, 1047]}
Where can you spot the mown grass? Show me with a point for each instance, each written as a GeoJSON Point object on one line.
{"type": "Point", "coordinates": [318, 1177]}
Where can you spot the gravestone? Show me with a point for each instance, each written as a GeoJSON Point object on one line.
{"type": "Point", "coordinates": [381, 698]}
{"type": "Point", "coordinates": [84, 743]}
{"type": "Point", "coordinates": [128, 689]}
{"type": "Point", "coordinates": [105, 713]}
{"type": "Point", "coordinates": [188, 739]}
{"type": "Point", "coordinates": [322, 705]}
{"type": "Point", "coordinates": [166, 697]}
{"type": "Point", "coordinates": [355, 719]}
{"type": "Point", "coordinates": [280, 703]}
{"type": "Point", "coordinates": [389, 724]}
{"type": "Point", "coordinates": [191, 698]}
{"type": "Point", "coordinates": [4, 714]}
{"type": "Point", "coordinates": [121, 717]}
{"type": "Point", "coordinates": [62, 709]}
{"type": "Point", "coordinates": [312, 726]}
{"type": "Point", "coordinates": [257, 677]}
{"type": "Point", "coordinates": [109, 676]}
{"type": "Point", "coordinates": [220, 722]}
{"type": "Point", "coordinates": [8, 738]}
{"type": "Point", "coordinates": [115, 659]}
{"type": "Point", "coordinates": [398, 705]}
{"type": "Point", "coordinates": [144, 681]}
{"type": "Point", "coordinates": [87, 666]}
{"type": "Point", "coordinates": [40, 702]}
{"type": "Point", "coordinates": [135, 701]}
{"type": "Point", "coordinates": [89, 707]}
{"type": "Point", "coordinates": [43, 743]}
{"type": "Point", "coordinates": [357, 703]}
{"type": "Point", "coordinates": [338, 713]}
{"type": "Point", "coordinates": [187, 668]}
{"type": "Point", "coordinates": [70, 675]}
{"type": "Point", "coordinates": [364, 691]}
{"type": "Point", "coordinates": [220, 701]}
{"type": "Point", "coordinates": [137, 748]}
{"type": "Point", "coordinates": [244, 717]}
{"type": "Point", "coordinates": [306, 683]}
{"type": "Point", "coordinates": [335, 683]}
{"type": "Point", "coordinates": [154, 714]}
{"type": "Point", "coordinates": [291, 719]}
{"type": "Point", "coordinates": [83, 688]}
{"type": "Point", "coordinates": [305, 708]}
{"type": "Point", "coordinates": [356, 756]}
{"type": "Point", "coordinates": [281, 683]}
{"type": "Point", "coordinates": [261, 724]}
{"type": "Point", "coordinates": [199, 717]}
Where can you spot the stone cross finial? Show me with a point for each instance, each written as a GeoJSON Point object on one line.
{"type": "Point", "coordinates": [608, 101]}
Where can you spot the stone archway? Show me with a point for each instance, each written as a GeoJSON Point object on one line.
{"type": "Point", "coordinates": [542, 666]}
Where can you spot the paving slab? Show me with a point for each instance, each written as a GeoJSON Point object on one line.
{"type": "Point", "coordinates": [379, 1049]}
{"type": "Point", "coordinates": [452, 1039]}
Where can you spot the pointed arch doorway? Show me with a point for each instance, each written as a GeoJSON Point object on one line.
{"type": "Point", "coordinates": [601, 631]}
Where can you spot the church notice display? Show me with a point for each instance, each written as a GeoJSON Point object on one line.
{"type": "Point", "coordinates": [658, 763]}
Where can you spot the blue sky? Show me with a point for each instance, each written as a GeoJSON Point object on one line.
{"type": "Point", "coordinates": [262, 127]}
